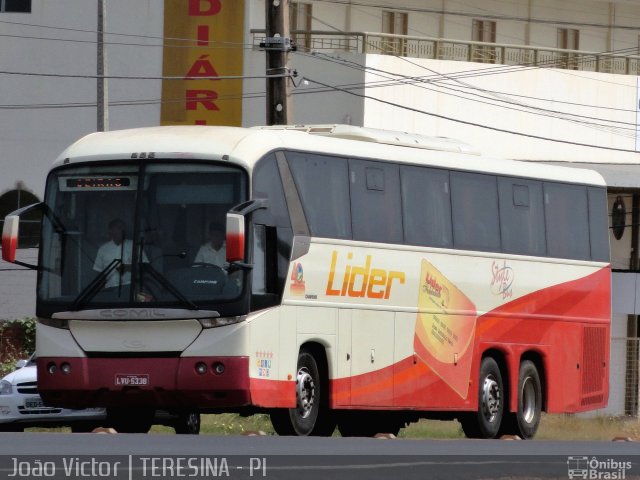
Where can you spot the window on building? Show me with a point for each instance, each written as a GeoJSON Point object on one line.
{"type": "Point", "coordinates": [395, 23]}
{"type": "Point", "coordinates": [20, 6]}
{"type": "Point", "coordinates": [29, 223]}
{"type": "Point", "coordinates": [300, 18]}
{"type": "Point", "coordinates": [483, 31]}
{"type": "Point", "coordinates": [568, 39]}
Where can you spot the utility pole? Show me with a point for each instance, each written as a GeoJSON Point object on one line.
{"type": "Point", "coordinates": [102, 88]}
{"type": "Point", "coordinates": [277, 45]}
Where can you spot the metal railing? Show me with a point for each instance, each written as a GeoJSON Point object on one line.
{"type": "Point", "coordinates": [461, 50]}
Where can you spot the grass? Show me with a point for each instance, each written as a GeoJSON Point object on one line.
{"type": "Point", "coordinates": [552, 427]}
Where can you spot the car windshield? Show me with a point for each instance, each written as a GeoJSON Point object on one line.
{"type": "Point", "coordinates": [130, 234]}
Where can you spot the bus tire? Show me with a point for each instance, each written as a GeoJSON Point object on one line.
{"type": "Point", "coordinates": [485, 423]}
{"type": "Point", "coordinates": [187, 423]}
{"type": "Point", "coordinates": [312, 415]}
{"type": "Point", "coordinates": [134, 420]}
{"type": "Point", "coordinates": [526, 420]}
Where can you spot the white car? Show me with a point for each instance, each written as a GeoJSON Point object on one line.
{"type": "Point", "coordinates": [22, 407]}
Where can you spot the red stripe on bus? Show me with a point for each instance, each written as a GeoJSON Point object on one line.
{"type": "Point", "coordinates": [9, 244]}
{"type": "Point", "coordinates": [412, 384]}
{"type": "Point", "coordinates": [272, 393]}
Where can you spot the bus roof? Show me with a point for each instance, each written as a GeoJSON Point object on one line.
{"type": "Point", "coordinates": [245, 146]}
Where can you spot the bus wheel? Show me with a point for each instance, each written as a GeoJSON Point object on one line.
{"type": "Point", "coordinates": [187, 423]}
{"type": "Point", "coordinates": [311, 416]}
{"type": "Point", "coordinates": [485, 423]}
{"type": "Point", "coordinates": [134, 420]}
{"type": "Point", "coordinates": [526, 420]}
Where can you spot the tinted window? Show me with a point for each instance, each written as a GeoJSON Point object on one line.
{"type": "Point", "coordinates": [22, 6]}
{"type": "Point", "coordinates": [475, 211]}
{"type": "Point", "coordinates": [598, 224]}
{"type": "Point", "coordinates": [567, 221]}
{"type": "Point", "coordinates": [521, 217]}
{"type": "Point", "coordinates": [267, 184]}
{"type": "Point", "coordinates": [323, 185]}
{"type": "Point", "coordinates": [375, 201]}
{"type": "Point", "coordinates": [426, 207]}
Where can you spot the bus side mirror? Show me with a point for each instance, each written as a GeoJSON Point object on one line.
{"type": "Point", "coordinates": [10, 238]}
{"type": "Point", "coordinates": [235, 237]}
{"type": "Point", "coordinates": [236, 227]}
{"type": "Point", "coordinates": [10, 233]}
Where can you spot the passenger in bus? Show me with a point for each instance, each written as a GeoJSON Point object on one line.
{"type": "Point", "coordinates": [117, 248]}
{"type": "Point", "coordinates": [214, 252]}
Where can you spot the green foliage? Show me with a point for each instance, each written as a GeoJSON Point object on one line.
{"type": "Point", "coordinates": [11, 353]}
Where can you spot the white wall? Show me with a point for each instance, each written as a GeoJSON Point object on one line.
{"type": "Point", "coordinates": [32, 138]}
{"type": "Point", "coordinates": [447, 98]}
{"type": "Point", "coordinates": [311, 102]}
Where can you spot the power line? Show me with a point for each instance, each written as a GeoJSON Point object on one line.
{"type": "Point", "coordinates": [490, 16]}
{"type": "Point", "coordinates": [465, 122]}
{"type": "Point", "coordinates": [478, 72]}
{"type": "Point", "coordinates": [567, 116]}
{"type": "Point", "coordinates": [553, 113]}
{"type": "Point", "coordinates": [214, 43]}
{"type": "Point", "coordinates": [419, 81]}
{"type": "Point", "coordinates": [128, 77]}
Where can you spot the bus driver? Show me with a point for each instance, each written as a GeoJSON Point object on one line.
{"type": "Point", "coordinates": [117, 248]}
{"type": "Point", "coordinates": [214, 251]}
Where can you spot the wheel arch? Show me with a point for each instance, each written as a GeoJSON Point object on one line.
{"type": "Point", "coordinates": [319, 352]}
{"type": "Point", "coordinates": [502, 359]}
{"type": "Point", "coordinates": [536, 358]}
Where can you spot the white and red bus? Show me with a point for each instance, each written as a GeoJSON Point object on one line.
{"type": "Point", "coordinates": [371, 278]}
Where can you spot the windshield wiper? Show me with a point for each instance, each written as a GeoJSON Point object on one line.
{"type": "Point", "coordinates": [162, 280]}
{"type": "Point", "coordinates": [96, 285]}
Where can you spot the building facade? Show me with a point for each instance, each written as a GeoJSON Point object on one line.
{"type": "Point", "coordinates": [533, 80]}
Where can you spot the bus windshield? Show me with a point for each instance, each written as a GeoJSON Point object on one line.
{"type": "Point", "coordinates": [128, 234]}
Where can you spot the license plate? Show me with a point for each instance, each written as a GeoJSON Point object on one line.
{"type": "Point", "coordinates": [33, 403]}
{"type": "Point", "coordinates": [131, 379]}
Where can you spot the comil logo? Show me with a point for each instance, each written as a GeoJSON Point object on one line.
{"type": "Point", "coordinates": [597, 468]}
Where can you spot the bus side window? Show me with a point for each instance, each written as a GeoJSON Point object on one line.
{"type": "Point", "coordinates": [265, 267]}
{"type": "Point", "coordinates": [326, 209]}
{"type": "Point", "coordinates": [426, 206]}
{"type": "Point", "coordinates": [474, 203]}
{"type": "Point", "coordinates": [598, 225]}
{"type": "Point", "coordinates": [567, 221]}
{"type": "Point", "coordinates": [521, 216]}
{"type": "Point", "coordinates": [375, 201]}
{"type": "Point", "coordinates": [273, 232]}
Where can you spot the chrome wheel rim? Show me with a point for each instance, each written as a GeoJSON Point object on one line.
{"type": "Point", "coordinates": [528, 400]}
{"type": "Point", "coordinates": [491, 398]}
{"type": "Point", "coordinates": [305, 392]}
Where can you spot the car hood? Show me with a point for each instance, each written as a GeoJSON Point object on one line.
{"type": "Point", "coordinates": [24, 374]}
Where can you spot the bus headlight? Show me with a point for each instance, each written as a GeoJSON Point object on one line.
{"type": "Point", "coordinates": [221, 321]}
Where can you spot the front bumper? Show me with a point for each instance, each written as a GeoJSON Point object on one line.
{"type": "Point", "coordinates": [149, 382]}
